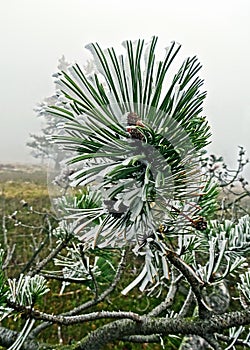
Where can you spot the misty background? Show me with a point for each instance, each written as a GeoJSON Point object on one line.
{"type": "Point", "coordinates": [34, 34]}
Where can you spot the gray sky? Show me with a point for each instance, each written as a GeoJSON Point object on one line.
{"type": "Point", "coordinates": [34, 34]}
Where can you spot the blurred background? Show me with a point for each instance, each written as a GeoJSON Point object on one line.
{"type": "Point", "coordinates": [34, 34]}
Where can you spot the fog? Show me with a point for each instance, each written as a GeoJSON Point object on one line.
{"type": "Point", "coordinates": [36, 33]}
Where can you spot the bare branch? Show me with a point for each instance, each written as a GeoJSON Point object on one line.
{"type": "Point", "coordinates": [187, 303]}
{"type": "Point", "coordinates": [9, 256]}
{"type": "Point", "coordinates": [165, 326]}
{"type": "Point", "coordinates": [46, 260]}
{"type": "Point", "coordinates": [195, 282]}
{"type": "Point", "coordinates": [8, 337]}
{"type": "Point", "coordinates": [154, 338]}
{"type": "Point", "coordinates": [69, 320]}
{"type": "Point", "coordinates": [169, 298]}
{"type": "Point", "coordinates": [62, 278]}
{"type": "Point", "coordinates": [36, 253]}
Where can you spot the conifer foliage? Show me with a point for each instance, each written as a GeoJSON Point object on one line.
{"type": "Point", "coordinates": [136, 182]}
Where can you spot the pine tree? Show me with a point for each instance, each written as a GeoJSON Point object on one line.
{"type": "Point", "coordinates": [134, 140]}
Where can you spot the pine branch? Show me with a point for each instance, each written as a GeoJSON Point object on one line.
{"type": "Point", "coordinates": [154, 338]}
{"type": "Point", "coordinates": [164, 326]}
{"type": "Point", "coordinates": [48, 258]}
{"type": "Point", "coordinates": [90, 303]}
{"type": "Point", "coordinates": [229, 340]}
{"type": "Point", "coordinates": [62, 278]}
{"type": "Point", "coordinates": [195, 282]}
{"type": "Point", "coordinates": [164, 305]}
{"type": "Point", "coordinates": [108, 291]}
{"type": "Point", "coordinates": [187, 303]}
{"type": "Point", "coordinates": [8, 337]}
{"type": "Point", "coordinates": [71, 320]}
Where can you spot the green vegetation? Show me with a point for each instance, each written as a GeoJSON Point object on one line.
{"type": "Point", "coordinates": [26, 184]}
{"type": "Point", "coordinates": [149, 243]}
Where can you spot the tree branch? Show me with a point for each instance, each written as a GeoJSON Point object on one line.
{"type": "Point", "coordinates": [62, 278]}
{"type": "Point", "coordinates": [154, 338]}
{"type": "Point", "coordinates": [69, 320]}
{"type": "Point", "coordinates": [229, 340]}
{"type": "Point", "coordinates": [165, 326]}
{"type": "Point", "coordinates": [48, 258]}
{"type": "Point", "coordinates": [36, 253]}
{"type": "Point", "coordinates": [102, 296]}
{"type": "Point", "coordinates": [195, 282]}
{"type": "Point", "coordinates": [93, 302]}
{"type": "Point", "coordinates": [169, 298]}
{"type": "Point", "coordinates": [187, 303]}
{"type": "Point", "coordinates": [8, 337]}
